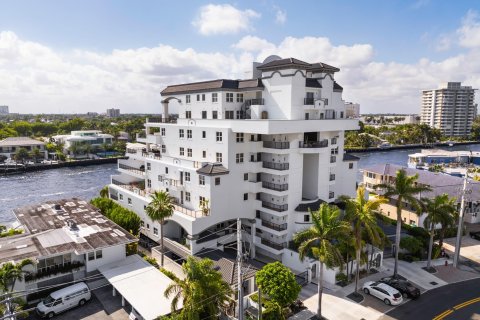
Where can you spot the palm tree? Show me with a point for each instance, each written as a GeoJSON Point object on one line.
{"type": "Point", "coordinates": [21, 154]}
{"type": "Point", "coordinates": [404, 189]}
{"type": "Point", "coordinates": [35, 154]}
{"type": "Point", "coordinates": [360, 213]}
{"type": "Point", "coordinates": [160, 208]}
{"type": "Point", "coordinates": [201, 283]}
{"type": "Point", "coordinates": [11, 272]}
{"type": "Point", "coordinates": [318, 240]}
{"type": "Point", "coordinates": [104, 192]}
{"type": "Point", "coordinates": [439, 210]}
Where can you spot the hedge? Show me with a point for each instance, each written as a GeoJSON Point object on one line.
{"type": "Point", "coordinates": [127, 219]}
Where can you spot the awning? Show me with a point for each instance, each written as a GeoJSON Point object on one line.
{"type": "Point", "coordinates": [141, 284]}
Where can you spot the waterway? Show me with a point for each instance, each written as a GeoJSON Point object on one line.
{"type": "Point", "coordinates": [86, 182]}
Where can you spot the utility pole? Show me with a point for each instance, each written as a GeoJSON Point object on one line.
{"type": "Point", "coordinates": [458, 241]}
{"type": "Point", "coordinates": [9, 313]}
{"type": "Point", "coordinates": [259, 303]}
{"type": "Point", "coordinates": [239, 266]}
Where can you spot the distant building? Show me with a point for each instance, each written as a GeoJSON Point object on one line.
{"type": "Point", "coordinates": [4, 110]}
{"type": "Point", "coordinates": [352, 110]}
{"type": "Point", "coordinates": [92, 114]}
{"type": "Point", "coordinates": [451, 109]}
{"type": "Point", "coordinates": [113, 113]}
{"type": "Point", "coordinates": [93, 138]}
{"type": "Point", "coordinates": [389, 119]}
{"type": "Point", "coordinates": [10, 146]}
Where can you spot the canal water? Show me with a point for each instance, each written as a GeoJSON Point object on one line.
{"type": "Point", "coordinates": [86, 182]}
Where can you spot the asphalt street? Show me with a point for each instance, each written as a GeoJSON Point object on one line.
{"type": "Point", "coordinates": [454, 301]}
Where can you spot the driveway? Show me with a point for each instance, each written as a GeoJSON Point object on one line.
{"type": "Point", "coordinates": [470, 248]}
{"type": "Point", "coordinates": [102, 306]}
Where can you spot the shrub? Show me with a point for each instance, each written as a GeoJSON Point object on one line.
{"type": "Point", "coordinates": [168, 273]}
{"type": "Point", "coordinates": [279, 283]}
{"type": "Point", "coordinates": [412, 245]}
{"type": "Point", "coordinates": [125, 218]}
{"type": "Point", "coordinates": [152, 261]}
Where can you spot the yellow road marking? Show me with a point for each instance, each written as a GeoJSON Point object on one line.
{"type": "Point", "coordinates": [443, 315]}
{"type": "Point", "coordinates": [466, 303]}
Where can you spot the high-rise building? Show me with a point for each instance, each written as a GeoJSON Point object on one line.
{"type": "Point", "coordinates": [4, 110]}
{"type": "Point", "coordinates": [451, 109]}
{"type": "Point", "coordinates": [113, 113]}
{"type": "Point", "coordinates": [265, 150]}
{"type": "Point", "coordinates": [352, 110]}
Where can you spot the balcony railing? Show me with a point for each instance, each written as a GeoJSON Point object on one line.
{"type": "Point", "coordinates": [151, 155]}
{"type": "Point", "coordinates": [313, 144]}
{"type": "Point", "coordinates": [131, 169]}
{"type": "Point", "coordinates": [132, 151]}
{"type": "Point", "coordinates": [275, 186]}
{"type": "Point", "coordinates": [274, 245]}
{"type": "Point", "coordinates": [308, 101]}
{"type": "Point", "coordinates": [276, 165]}
{"type": "Point", "coordinates": [130, 187]}
{"type": "Point", "coordinates": [189, 212]}
{"type": "Point", "coordinates": [275, 207]}
{"type": "Point", "coordinates": [252, 102]}
{"type": "Point", "coordinates": [276, 144]}
{"type": "Point", "coordinates": [54, 270]}
{"type": "Point", "coordinates": [161, 120]}
{"type": "Point", "coordinates": [274, 226]}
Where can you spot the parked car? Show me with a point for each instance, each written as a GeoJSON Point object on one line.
{"type": "Point", "coordinates": [406, 288]}
{"type": "Point", "coordinates": [382, 291]}
{"type": "Point", "coordinates": [63, 299]}
{"type": "Point", "coordinates": [475, 235]}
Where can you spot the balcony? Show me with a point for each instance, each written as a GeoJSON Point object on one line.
{"type": "Point", "coordinates": [151, 155]}
{"type": "Point", "coordinates": [254, 102]}
{"type": "Point", "coordinates": [161, 120]}
{"type": "Point", "coordinates": [132, 187]}
{"type": "Point", "coordinates": [189, 212]}
{"type": "Point", "coordinates": [275, 165]}
{"type": "Point", "coordinates": [275, 207]}
{"type": "Point", "coordinates": [276, 144]}
{"type": "Point", "coordinates": [313, 144]}
{"type": "Point", "coordinates": [274, 226]}
{"type": "Point", "coordinates": [308, 101]}
{"type": "Point", "coordinates": [275, 186]}
{"type": "Point", "coordinates": [274, 245]}
{"type": "Point", "coordinates": [54, 270]}
{"type": "Point", "coordinates": [138, 171]}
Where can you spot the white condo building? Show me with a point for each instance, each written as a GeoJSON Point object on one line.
{"type": "Point", "coordinates": [265, 150]}
{"type": "Point", "coordinates": [451, 109]}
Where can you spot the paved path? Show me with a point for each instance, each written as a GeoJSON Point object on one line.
{"type": "Point", "coordinates": [415, 273]}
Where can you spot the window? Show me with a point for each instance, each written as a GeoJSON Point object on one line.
{"type": "Point", "coordinates": [214, 97]}
{"type": "Point", "coordinates": [341, 114]}
{"type": "Point", "coordinates": [149, 183]}
{"type": "Point", "coordinates": [149, 166]}
{"type": "Point", "coordinates": [214, 114]}
{"type": "Point", "coordinates": [203, 96]}
{"type": "Point", "coordinates": [121, 197]}
{"type": "Point", "coordinates": [188, 114]}
{"type": "Point", "coordinates": [91, 256]}
{"type": "Point", "coordinates": [189, 152]}
{"type": "Point", "coordinates": [181, 133]}
{"type": "Point", "coordinates": [98, 254]}
{"type": "Point", "coordinates": [326, 102]}
{"type": "Point", "coordinates": [182, 151]}
{"type": "Point", "coordinates": [306, 218]}
{"type": "Point", "coordinates": [334, 141]}
{"type": "Point", "coordinates": [204, 114]}
{"type": "Point", "coordinates": [245, 176]}
{"type": "Point", "coordinates": [187, 176]}
{"type": "Point", "coordinates": [204, 154]}
{"type": "Point", "coordinates": [160, 177]}
{"type": "Point", "coordinates": [332, 177]}
{"type": "Point", "coordinates": [148, 226]}
{"type": "Point", "coordinates": [239, 97]}
{"type": "Point", "coordinates": [240, 137]}
{"type": "Point", "coordinates": [239, 114]}
{"type": "Point", "coordinates": [228, 114]}
{"type": "Point", "coordinates": [187, 98]}
{"type": "Point", "coordinates": [162, 131]}
{"type": "Point", "coordinates": [239, 157]}
{"type": "Point", "coordinates": [218, 157]}
{"type": "Point", "coordinates": [219, 136]}
{"type": "Point", "coordinates": [331, 195]}
{"type": "Point", "coordinates": [187, 196]}
{"type": "Point", "coordinates": [166, 170]}
{"type": "Point", "coordinates": [229, 97]}
{"type": "Point", "coordinates": [245, 196]}
{"type": "Point", "coordinates": [217, 181]}
{"type": "Point", "coordinates": [204, 134]}
{"type": "Point", "coordinates": [350, 165]}
{"type": "Point", "coordinates": [155, 231]}
{"type": "Point", "coordinates": [201, 200]}
{"type": "Point", "coordinates": [142, 223]}
{"type": "Point", "coordinates": [198, 97]}
{"type": "Point", "coordinates": [201, 180]}
{"type": "Point", "coordinates": [333, 159]}
{"type": "Point", "coordinates": [164, 148]}
{"type": "Point", "coordinates": [189, 134]}
{"type": "Point", "coordinates": [129, 201]}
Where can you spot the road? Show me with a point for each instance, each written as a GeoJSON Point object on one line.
{"type": "Point", "coordinates": [459, 301]}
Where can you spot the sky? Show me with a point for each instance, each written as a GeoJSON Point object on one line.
{"type": "Point", "coordinates": [63, 56]}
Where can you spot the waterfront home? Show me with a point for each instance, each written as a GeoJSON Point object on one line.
{"type": "Point", "coordinates": [77, 142]}
{"type": "Point", "coordinates": [428, 157]}
{"type": "Point", "coordinates": [439, 182]}
{"type": "Point", "coordinates": [66, 239]}
{"type": "Point", "coordinates": [10, 146]}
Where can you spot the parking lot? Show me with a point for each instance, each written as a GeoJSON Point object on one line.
{"type": "Point", "coordinates": [102, 306]}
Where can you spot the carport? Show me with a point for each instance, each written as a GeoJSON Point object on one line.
{"type": "Point", "coordinates": [141, 284]}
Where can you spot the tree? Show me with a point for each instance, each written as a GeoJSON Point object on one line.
{"type": "Point", "coordinates": [279, 283]}
{"type": "Point", "coordinates": [35, 154]}
{"type": "Point", "coordinates": [21, 154]}
{"type": "Point", "coordinates": [160, 208]}
{"type": "Point", "coordinates": [412, 245]}
{"type": "Point", "coordinates": [201, 283]}
{"type": "Point", "coordinates": [10, 273]}
{"type": "Point", "coordinates": [104, 192]}
{"type": "Point", "coordinates": [360, 213]}
{"type": "Point", "coordinates": [74, 148]}
{"type": "Point", "coordinates": [318, 241]}
{"type": "Point", "coordinates": [404, 189]}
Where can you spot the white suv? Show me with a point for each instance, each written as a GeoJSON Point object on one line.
{"type": "Point", "coordinates": [383, 292]}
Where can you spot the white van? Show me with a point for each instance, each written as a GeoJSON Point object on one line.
{"type": "Point", "coordinates": [64, 299]}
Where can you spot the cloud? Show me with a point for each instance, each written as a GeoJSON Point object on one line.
{"type": "Point", "coordinates": [280, 16]}
{"type": "Point", "coordinates": [420, 4]}
{"type": "Point", "coordinates": [469, 32]}
{"type": "Point", "coordinates": [224, 19]}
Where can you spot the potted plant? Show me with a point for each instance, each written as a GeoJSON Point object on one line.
{"type": "Point", "coordinates": [204, 206]}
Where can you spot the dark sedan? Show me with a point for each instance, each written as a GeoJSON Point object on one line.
{"type": "Point", "coordinates": [404, 287]}
{"type": "Point", "coordinates": [475, 235]}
